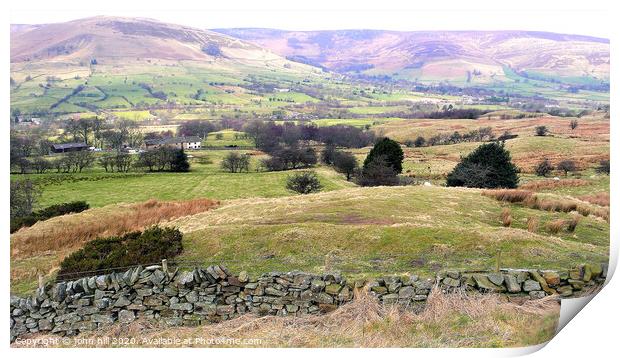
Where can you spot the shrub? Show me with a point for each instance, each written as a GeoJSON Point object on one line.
{"type": "Point", "coordinates": [532, 224]}
{"type": "Point", "coordinates": [47, 213]}
{"type": "Point", "coordinates": [389, 149]}
{"type": "Point", "coordinates": [604, 167]}
{"type": "Point", "coordinates": [574, 124]}
{"type": "Point", "coordinates": [488, 166]}
{"type": "Point", "coordinates": [134, 248]}
{"type": "Point", "coordinates": [419, 142]}
{"type": "Point", "coordinates": [567, 166]}
{"type": "Point", "coordinates": [544, 168]}
{"type": "Point", "coordinates": [506, 217]}
{"type": "Point", "coordinates": [542, 131]}
{"type": "Point", "coordinates": [304, 183]}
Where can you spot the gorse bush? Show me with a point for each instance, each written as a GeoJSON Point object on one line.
{"type": "Point", "coordinates": [47, 213]}
{"type": "Point", "coordinates": [304, 183]}
{"type": "Point", "coordinates": [488, 166]}
{"type": "Point", "coordinates": [135, 248]}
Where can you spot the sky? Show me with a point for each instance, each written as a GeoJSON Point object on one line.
{"type": "Point", "coordinates": [572, 17]}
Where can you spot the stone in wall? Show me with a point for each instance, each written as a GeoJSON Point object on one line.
{"type": "Point", "coordinates": [213, 294]}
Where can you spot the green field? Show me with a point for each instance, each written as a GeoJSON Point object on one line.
{"type": "Point", "coordinates": [228, 138]}
{"type": "Point", "coordinates": [206, 179]}
{"type": "Point", "coordinates": [367, 231]}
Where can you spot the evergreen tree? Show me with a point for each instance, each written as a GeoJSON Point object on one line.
{"type": "Point", "coordinates": [489, 166]}
{"type": "Point", "coordinates": [389, 149]}
{"type": "Point", "coordinates": [179, 162]}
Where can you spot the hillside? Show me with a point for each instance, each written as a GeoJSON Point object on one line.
{"type": "Point", "coordinates": [112, 62]}
{"type": "Point", "coordinates": [358, 231]}
{"type": "Point", "coordinates": [109, 38]}
{"type": "Point", "coordinates": [458, 56]}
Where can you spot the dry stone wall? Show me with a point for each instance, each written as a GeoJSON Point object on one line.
{"type": "Point", "coordinates": [214, 294]}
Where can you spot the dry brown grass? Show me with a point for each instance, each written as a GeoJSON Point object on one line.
{"type": "Point", "coordinates": [571, 224]}
{"type": "Point", "coordinates": [601, 199]}
{"type": "Point", "coordinates": [534, 201]}
{"type": "Point", "coordinates": [506, 217]}
{"type": "Point", "coordinates": [532, 224]}
{"type": "Point", "coordinates": [71, 231]}
{"type": "Point", "coordinates": [449, 320]}
{"type": "Point", "coordinates": [508, 195]}
{"type": "Point", "coordinates": [553, 184]}
{"type": "Point", "coordinates": [41, 247]}
{"type": "Point", "coordinates": [555, 226]}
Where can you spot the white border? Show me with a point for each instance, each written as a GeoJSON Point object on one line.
{"type": "Point", "coordinates": [592, 331]}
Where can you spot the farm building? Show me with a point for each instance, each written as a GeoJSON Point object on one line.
{"type": "Point", "coordinates": [68, 147]}
{"type": "Point", "coordinates": [176, 142]}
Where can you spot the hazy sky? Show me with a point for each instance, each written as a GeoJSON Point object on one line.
{"type": "Point", "coordinates": [586, 18]}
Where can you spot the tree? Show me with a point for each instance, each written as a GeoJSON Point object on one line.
{"type": "Point", "coordinates": [327, 155]}
{"type": "Point", "coordinates": [377, 172]}
{"type": "Point", "coordinates": [544, 168]}
{"type": "Point", "coordinates": [604, 167]}
{"type": "Point", "coordinates": [542, 131]}
{"type": "Point", "coordinates": [345, 162]}
{"type": "Point", "coordinates": [236, 163]}
{"type": "Point", "coordinates": [419, 142]}
{"type": "Point", "coordinates": [392, 152]}
{"type": "Point", "coordinates": [83, 159]}
{"type": "Point", "coordinates": [41, 165]}
{"type": "Point", "coordinates": [107, 162]}
{"type": "Point", "coordinates": [488, 166]}
{"type": "Point", "coordinates": [304, 183]}
{"type": "Point", "coordinates": [122, 162]}
{"type": "Point", "coordinates": [147, 160]}
{"type": "Point", "coordinates": [179, 161]}
{"type": "Point", "coordinates": [23, 197]}
{"type": "Point", "coordinates": [197, 128]}
{"type": "Point", "coordinates": [573, 124]}
{"type": "Point", "coordinates": [567, 166]}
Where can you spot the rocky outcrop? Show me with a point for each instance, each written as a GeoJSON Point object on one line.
{"type": "Point", "coordinates": [214, 294]}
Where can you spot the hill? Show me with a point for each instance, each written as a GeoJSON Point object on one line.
{"type": "Point", "coordinates": [434, 56]}
{"type": "Point", "coordinates": [112, 62]}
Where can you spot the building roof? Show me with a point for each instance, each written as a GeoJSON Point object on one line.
{"type": "Point", "coordinates": [69, 146]}
{"type": "Point", "coordinates": [173, 140]}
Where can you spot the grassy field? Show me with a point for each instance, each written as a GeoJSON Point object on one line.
{"type": "Point", "coordinates": [206, 179]}
{"type": "Point", "coordinates": [359, 231]}
{"type": "Point", "coordinates": [228, 138]}
{"type": "Point", "coordinates": [587, 145]}
{"type": "Point", "coordinates": [365, 231]}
